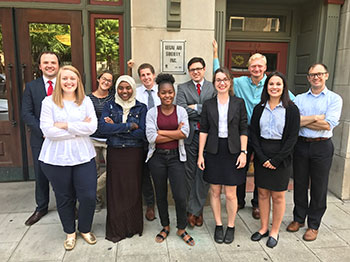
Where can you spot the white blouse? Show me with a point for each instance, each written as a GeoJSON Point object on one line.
{"type": "Point", "coordinates": [223, 112]}
{"type": "Point", "coordinates": [67, 147]}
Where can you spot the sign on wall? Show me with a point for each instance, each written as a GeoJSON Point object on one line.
{"type": "Point", "coordinates": [173, 56]}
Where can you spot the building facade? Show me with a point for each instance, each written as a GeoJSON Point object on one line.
{"type": "Point", "coordinates": [98, 34]}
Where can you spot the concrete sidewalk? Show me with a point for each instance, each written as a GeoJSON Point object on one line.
{"type": "Point", "coordinates": [44, 240]}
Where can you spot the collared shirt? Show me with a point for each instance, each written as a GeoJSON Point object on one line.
{"type": "Point", "coordinates": [223, 112]}
{"type": "Point", "coordinates": [47, 84]}
{"type": "Point", "coordinates": [326, 103]}
{"type": "Point", "coordinates": [72, 146]}
{"type": "Point", "coordinates": [142, 95]}
{"type": "Point", "coordinates": [195, 85]}
{"type": "Point", "coordinates": [272, 122]}
{"type": "Point", "coordinates": [251, 93]}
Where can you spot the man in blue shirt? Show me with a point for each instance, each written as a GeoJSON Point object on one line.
{"type": "Point", "coordinates": [320, 110]}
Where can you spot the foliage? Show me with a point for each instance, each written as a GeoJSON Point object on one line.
{"type": "Point", "coordinates": [107, 42]}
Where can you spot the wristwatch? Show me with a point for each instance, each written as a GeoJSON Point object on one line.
{"type": "Point", "coordinates": [244, 151]}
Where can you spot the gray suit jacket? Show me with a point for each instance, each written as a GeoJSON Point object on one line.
{"type": "Point", "coordinates": [187, 95]}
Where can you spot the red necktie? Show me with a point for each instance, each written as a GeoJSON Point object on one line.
{"type": "Point", "coordinates": [199, 89]}
{"type": "Point", "coordinates": [199, 93]}
{"type": "Point", "coordinates": [50, 89]}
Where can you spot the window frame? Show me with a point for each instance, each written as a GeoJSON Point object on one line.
{"type": "Point", "coordinates": [95, 2]}
{"type": "Point", "coordinates": [93, 45]}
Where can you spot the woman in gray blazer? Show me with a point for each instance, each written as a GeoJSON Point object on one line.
{"type": "Point", "coordinates": [224, 134]}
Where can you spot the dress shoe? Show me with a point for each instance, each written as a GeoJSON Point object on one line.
{"type": "Point", "coordinates": [69, 243]}
{"type": "Point", "coordinates": [272, 242]}
{"type": "Point", "coordinates": [191, 219]}
{"type": "Point", "coordinates": [256, 213]}
{"type": "Point", "coordinates": [240, 207]}
{"type": "Point", "coordinates": [199, 220]}
{"type": "Point", "coordinates": [229, 235]}
{"type": "Point", "coordinates": [310, 234]}
{"type": "Point", "coordinates": [219, 234]}
{"type": "Point", "coordinates": [257, 236]}
{"type": "Point", "coordinates": [150, 216]}
{"type": "Point", "coordinates": [90, 238]}
{"type": "Point", "coordinates": [35, 217]}
{"type": "Point", "coordinates": [294, 226]}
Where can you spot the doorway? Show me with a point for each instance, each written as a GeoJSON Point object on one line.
{"type": "Point", "coordinates": [24, 34]}
{"type": "Point", "coordinates": [237, 55]}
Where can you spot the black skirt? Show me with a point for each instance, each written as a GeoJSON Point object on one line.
{"type": "Point", "coordinates": [220, 168]}
{"type": "Point", "coordinates": [271, 179]}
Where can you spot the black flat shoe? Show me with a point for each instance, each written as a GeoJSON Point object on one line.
{"type": "Point", "coordinates": [219, 234]}
{"type": "Point", "coordinates": [257, 236]}
{"type": "Point", "coordinates": [229, 235]}
{"type": "Point", "coordinates": [272, 242]}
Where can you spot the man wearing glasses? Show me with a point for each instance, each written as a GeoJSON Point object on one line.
{"type": "Point", "coordinates": [191, 95]}
{"type": "Point", "coordinates": [320, 111]}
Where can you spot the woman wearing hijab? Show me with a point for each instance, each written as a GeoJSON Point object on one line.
{"type": "Point", "coordinates": [123, 122]}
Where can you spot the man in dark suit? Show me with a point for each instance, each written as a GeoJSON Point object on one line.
{"type": "Point", "coordinates": [33, 95]}
{"type": "Point", "coordinates": [191, 95]}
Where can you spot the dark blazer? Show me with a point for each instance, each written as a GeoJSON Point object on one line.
{"type": "Point", "coordinates": [237, 124]}
{"type": "Point", "coordinates": [289, 137]}
{"type": "Point", "coordinates": [33, 95]}
{"type": "Point", "coordinates": [187, 95]}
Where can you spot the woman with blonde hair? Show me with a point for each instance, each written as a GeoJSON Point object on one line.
{"type": "Point", "coordinates": [67, 156]}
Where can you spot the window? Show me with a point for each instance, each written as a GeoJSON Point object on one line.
{"type": "Point", "coordinates": [257, 24]}
{"type": "Point", "coordinates": [106, 44]}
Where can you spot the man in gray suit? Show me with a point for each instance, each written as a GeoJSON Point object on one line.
{"type": "Point", "coordinates": [191, 95]}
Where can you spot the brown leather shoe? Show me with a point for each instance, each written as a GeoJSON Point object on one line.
{"type": "Point", "coordinates": [199, 220]}
{"type": "Point", "coordinates": [294, 226]}
{"type": "Point", "coordinates": [150, 216]}
{"type": "Point", "coordinates": [35, 217]}
{"type": "Point", "coordinates": [256, 213]}
{"type": "Point", "coordinates": [310, 234]}
{"type": "Point", "coordinates": [191, 219]}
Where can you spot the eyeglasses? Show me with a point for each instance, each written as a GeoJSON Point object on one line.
{"type": "Point", "coordinates": [106, 80]}
{"type": "Point", "coordinates": [225, 80]}
{"type": "Point", "coordinates": [192, 70]}
{"type": "Point", "coordinates": [319, 75]}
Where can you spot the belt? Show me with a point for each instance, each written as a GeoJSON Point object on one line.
{"type": "Point", "coordinates": [167, 151]}
{"type": "Point", "coordinates": [315, 139]}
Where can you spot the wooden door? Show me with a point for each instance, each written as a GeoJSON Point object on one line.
{"type": "Point", "coordinates": [25, 33]}
{"type": "Point", "coordinates": [237, 55]}
{"type": "Point", "coordinates": [10, 146]}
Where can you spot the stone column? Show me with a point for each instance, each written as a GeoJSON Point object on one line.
{"type": "Point", "coordinates": [339, 180]}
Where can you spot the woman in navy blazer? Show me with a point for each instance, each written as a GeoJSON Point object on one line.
{"type": "Point", "coordinates": [224, 133]}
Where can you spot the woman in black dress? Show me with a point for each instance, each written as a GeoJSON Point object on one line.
{"type": "Point", "coordinates": [224, 133]}
{"type": "Point", "coordinates": [274, 126]}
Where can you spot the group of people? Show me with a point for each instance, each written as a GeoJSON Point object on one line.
{"type": "Point", "coordinates": [198, 140]}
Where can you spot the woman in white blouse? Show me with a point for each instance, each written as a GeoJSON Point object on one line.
{"type": "Point", "coordinates": [67, 156]}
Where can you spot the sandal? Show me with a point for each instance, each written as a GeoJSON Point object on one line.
{"type": "Point", "coordinates": [160, 238]}
{"type": "Point", "coordinates": [189, 241]}
{"type": "Point", "coordinates": [69, 243]}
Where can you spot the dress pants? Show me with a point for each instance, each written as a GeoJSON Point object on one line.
{"type": "Point", "coordinates": [197, 188]}
{"type": "Point", "coordinates": [164, 167]}
{"type": "Point", "coordinates": [42, 187]}
{"type": "Point", "coordinates": [101, 149]}
{"type": "Point", "coordinates": [147, 186]}
{"type": "Point", "coordinates": [312, 162]}
{"type": "Point", "coordinates": [71, 183]}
